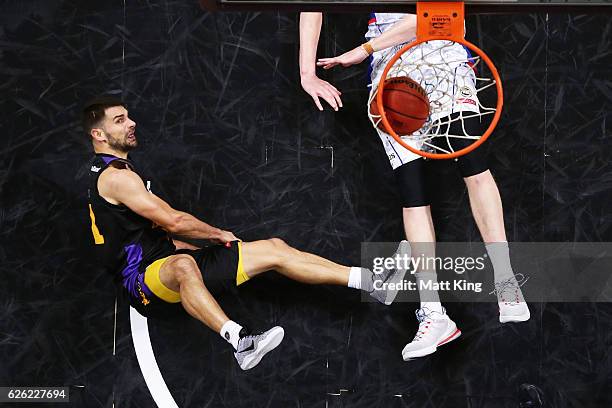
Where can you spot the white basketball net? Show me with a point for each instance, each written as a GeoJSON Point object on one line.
{"type": "Point", "coordinates": [449, 77]}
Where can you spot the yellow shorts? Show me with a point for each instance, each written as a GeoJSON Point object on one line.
{"type": "Point", "coordinates": [214, 262]}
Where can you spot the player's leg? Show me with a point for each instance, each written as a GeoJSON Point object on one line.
{"type": "Point", "coordinates": [485, 200]}
{"type": "Point", "coordinates": [181, 275]}
{"type": "Point", "coordinates": [274, 254]}
{"type": "Point", "coordinates": [419, 229]}
{"type": "Point", "coordinates": [435, 327]}
{"type": "Point", "coordinates": [486, 205]}
{"type": "Point", "coordinates": [487, 210]}
{"type": "Point", "coordinates": [178, 278]}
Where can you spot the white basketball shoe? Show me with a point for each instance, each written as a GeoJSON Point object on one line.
{"type": "Point", "coordinates": [512, 305]}
{"type": "Point", "coordinates": [435, 329]}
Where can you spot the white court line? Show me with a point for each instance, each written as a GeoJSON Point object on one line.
{"type": "Point", "coordinates": [146, 360]}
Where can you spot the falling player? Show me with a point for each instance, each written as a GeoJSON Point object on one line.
{"type": "Point", "coordinates": [133, 232]}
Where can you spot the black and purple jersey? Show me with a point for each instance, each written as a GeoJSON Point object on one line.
{"type": "Point", "coordinates": [125, 243]}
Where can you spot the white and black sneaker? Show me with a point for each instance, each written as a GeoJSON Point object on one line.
{"type": "Point", "coordinates": [388, 282]}
{"type": "Point", "coordinates": [512, 305]}
{"type": "Point", "coordinates": [253, 347]}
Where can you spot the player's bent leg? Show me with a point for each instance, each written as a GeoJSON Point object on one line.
{"type": "Point", "coordinates": [181, 276]}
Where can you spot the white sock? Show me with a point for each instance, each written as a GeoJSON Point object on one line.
{"type": "Point", "coordinates": [354, 280]}
{"type": "Point", "coordinates": [499, 253]}
{"type": "Point", "coordinates": [231, 333]}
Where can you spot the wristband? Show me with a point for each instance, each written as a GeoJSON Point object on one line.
{"type": "Point", "coordinates": [368, 48]}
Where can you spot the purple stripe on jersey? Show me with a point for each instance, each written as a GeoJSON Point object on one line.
{"type": "Point", "coordinates": [108, 159]}
{"type": "Point", "coordinates": [130, 272]}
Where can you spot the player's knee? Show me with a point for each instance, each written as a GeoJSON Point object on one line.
{"type": "Point", "coordinates": [184, 267]}
{"type": "Point", "coordinates": [479, 179]}
{"type": "Point", "coordinates": [281, 251]}
{"type": "Point", "coordinates": [415, 211]}
{"type": "Point", "coordinates": [278, 244]}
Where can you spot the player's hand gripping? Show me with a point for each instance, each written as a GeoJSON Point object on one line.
{"type": "Point", "coordinates": [318, 88]}
{"type": "Point", "coordinates": [225, 237]}
{"type": "Point", "coordinates": [355, 56]}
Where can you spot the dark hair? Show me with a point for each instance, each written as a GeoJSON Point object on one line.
{"type": "Point", "coordinates": [93, 110]}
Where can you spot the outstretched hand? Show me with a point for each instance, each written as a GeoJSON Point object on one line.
{"type": "Point", "coordinates": [318, 88]}
{"type": "Point", "coordinates": [352, 57]}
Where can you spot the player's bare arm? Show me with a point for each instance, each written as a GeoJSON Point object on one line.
{"type": "Point", "coordinates": [134, 244]}
{"type": "Point", "coordinates": [402, 31]}
{"type": "Point", "coordinates": [310, 29]}
{"type": "Point", "coordinates": [225, 236]}
{"type": "Point", "coordinates": [123, 186]}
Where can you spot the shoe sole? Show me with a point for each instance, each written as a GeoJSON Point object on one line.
{"type": "Point", "coordinates": [396, 279]}
{"type": "Point", "coordinates": [268, 344]}
{"type": "Point", "coordinates": [515, 319]}
{"type": "Point", "coordinates": [430, 350]}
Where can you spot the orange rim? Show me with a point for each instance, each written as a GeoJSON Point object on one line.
{"type": "Point", "coordinates": [486, 134]}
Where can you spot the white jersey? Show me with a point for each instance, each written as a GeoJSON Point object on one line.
{"type": "Point", "coordinates": [444, 73]}
{"type": "Point", "coordinates": [386, 18]}
{"type": "Point", "coordinates": [380, 22]}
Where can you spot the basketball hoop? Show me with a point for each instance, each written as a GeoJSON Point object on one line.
{"type": "Point", "coordinates": [429, 60]}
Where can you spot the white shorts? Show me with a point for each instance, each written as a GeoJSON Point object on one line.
{"type": "Point", "coordinates": [450, 86]}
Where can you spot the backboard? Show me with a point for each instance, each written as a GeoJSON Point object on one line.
{"type": "Point", "coordinates": [472, 6]}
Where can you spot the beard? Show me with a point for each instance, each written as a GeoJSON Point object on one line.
{"type": "Point", "coordinates": [123, 144]}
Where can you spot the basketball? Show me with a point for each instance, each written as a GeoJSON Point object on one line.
{"type": "Point", "coordinates": [406, 105]}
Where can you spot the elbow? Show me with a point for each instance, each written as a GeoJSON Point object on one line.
{"type": "Point", "coordinates": [174, 225]}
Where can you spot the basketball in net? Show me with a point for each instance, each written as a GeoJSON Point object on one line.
{"type": "Point", "coordinates": [442, 77]}
{"type": "Point", "coordinates": [405, 103]}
